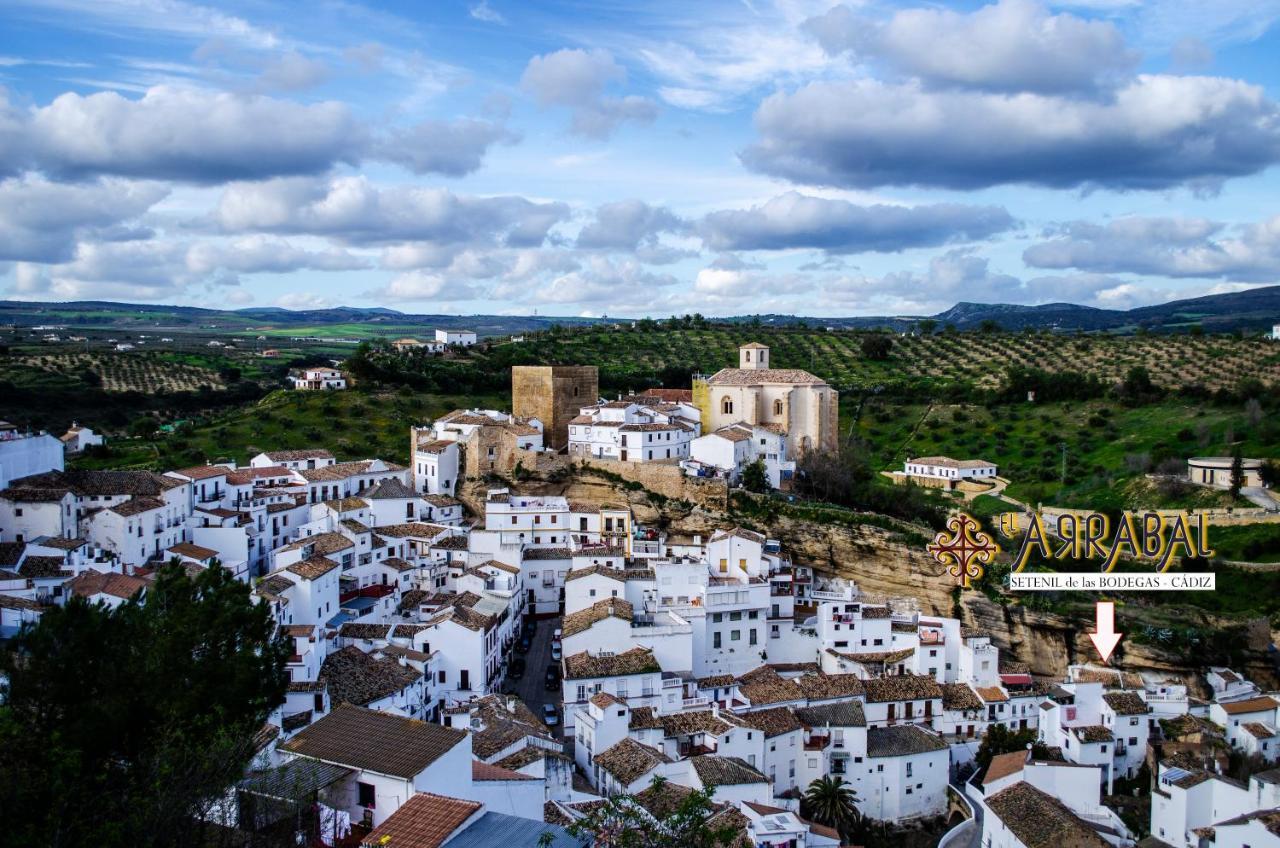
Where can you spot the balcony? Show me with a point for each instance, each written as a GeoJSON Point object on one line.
{"type": "Point", "coordinates": [696, 703]}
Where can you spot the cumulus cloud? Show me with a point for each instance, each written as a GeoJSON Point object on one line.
{"type": "Point", "coordinates": [423, 286]}
{"type": "Point", "coordinates": [1169, 247]}
{"type": "Point", "coordinates": [262, 254]}
{"type": "Point", "coordinates": [1011, 45]}
{"type": "Point", "coordinates": [576, 79]}
{"type": "Point", "coordinates": [795, 220]}
{"type": "Point", "coordinates": [628, 224]}
{"type": "Point", "coordinates": [303, 300]}
{"type": "Point", "coordinates": [41, 221]}
{"type": "Point", "coordinates": [453, 148]}
{"type": "Point", "coordinates": [199, 136]}
{"type": "Point", "coordinates": [1154, 132]}
{"type": "Point", "coordinates": [482, 11]}
{"type": "Point", "coordinates": [600, 279]}
{"type": "Point", "coordinates": [355, 211]}
{"type": "Point", "coordinates": [190, 135]}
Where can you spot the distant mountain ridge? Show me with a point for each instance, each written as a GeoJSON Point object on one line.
{"type": "Point", "coordinates": [1252, 309]}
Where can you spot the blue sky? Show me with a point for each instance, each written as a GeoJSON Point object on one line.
{"type": "Point", "coordinates": [629, 158]}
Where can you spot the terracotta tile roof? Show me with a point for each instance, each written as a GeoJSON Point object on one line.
{"type": "Point", "coordinates": [296, 455]}
{"type": "Point", "coordinates": [442, 500]}
{"type": "Point", "coordinates": [14, 603]}
{"type": "Point", "coordinates": [1258, 730]}
{"type": "Point", "coordinates": [485, 772]}
{"type": "Point", "coordinates": [297, 630]}
{"type": "Point", "coordinates": [644, 718]}
{"type": "Point", "coordinates": [531, 754]}
{"type": "Point", "coordinates": [136, 505]}
{"type": "Point", "coordinates": [312, 568]}
{"type": "Point", "coordinates": [901, 740]}
{"type": "Point", "coordinates": [903, 687]}
{"type": "Point", "coordinates": [725, 771]}
{"type": "Point", "coordinates": [874, 657]}
{"type": "Point", "coordinates": [203, 472]}
{"type": "Point", "coordinates": [774, 721]}
{"type": "Point", "coordinates": [1039, 820]}
{"type": "Point", "coordinates": [602, 570]}
{"type": "Point", "coordinates": [1249, 705]}
{"type": "Point", "coordinates": [89, 583]}
{"type": "Point", "coordinates": [398, 564]}
{"type": "Point", "coordinates": [765, 686]}
{"type": "Point", "coordinates": [583, 666]}
{"type": "Point", "coordinates": [419, 529]}
{"type": "Point", "coordinates": [321, 543]}
{"type": "Point", "coordinates": [362, 630]}
{"type": "Point", "coordinates": [501, 721]}
{"type": "Point", "coordinates": [662, 799]}
{"type": "Point", "coordinates": [273, 586]}
{"type": "Point", "coordinates": [54, 485]}
{"type": "Point", "coordinates": [839, 714]}
{"type": "Point", "coordinates": [553, 814]}
{"type": "Point", "coordinates": [376, 741]}
{"type": "Point", "coordinates": [426, 820]}
{"type": "Point", "coordinates": [716, 680]}
{"type": "Point", "coordinates": [670, 395]}
{"type": "Point", "coordinates": [577, 622]}
{"type": "Point", "coordinates": [1126, 703]}
{"type": "Point", "coordinates": [948, 462]}
{"type": "Point", "coordinates": [1092, 733]}
{"type": "Point", "coordinates": [763, 376]}
{"type": "Point", "coordinates": [741, 533]}
{"type": "Point", "coordinates": [690, 723]}
{"type": "Point", "coordinates": [435, 445]}
{"type": "Point", "coordinates": [44, 567]}
{"type": "Point", "coordinates": [189, 549]}
{"type": "Point", "coordinates": [501, 566]}
{"type": "Point", "coordinates": [819, 687]}
{"type": "Point", "coordinates": [991, 694]}
{"type": "Point", "coordinates": [389, 489]}
{"type": "Point", "coordinates": [355, 677]}
{"type": "Point", "coordinates": [1003, 765]}
{"type": "Point", "coordinates": [627, 761]}
{"type": "Point", "coordinates": [959, 696]}
{"type": "Point", "coordinates": [548, 553]}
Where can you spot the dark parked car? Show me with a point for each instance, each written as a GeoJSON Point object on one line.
{"type": "Point", "coordinates": [525, 644]}
{"type": "Point", "coordinates": [553, 678]}
{"type": "Point", "coordinates": [516, 670]}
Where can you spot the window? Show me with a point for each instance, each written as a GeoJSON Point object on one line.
{"type": "Point", "coordinates": [715, 639]}
{"type": "Point", "coordinates": [777, 410]}
{"type": "Point", "coordinates": [908, 768]}
{"type": "Point", "coordinates": [366, 795]}
{"type": "Point", "coordinates": [726, 405]}
{"type": "Point", "coordinates": [751, 636]}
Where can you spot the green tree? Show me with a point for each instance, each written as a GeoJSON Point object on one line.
{"type": "Point", "coordinates": [876, 346]}
{"type": "Point", "coordinates": [989, 326]}
{"type": "Point", "coordinates": [681, 818]}
{"type": "Point", "coordinates": [926, 326]}
{"type": "Point", "coordinates": [125, 726]}
{"type": "Point", "coordinates": [1001, 740]}
{"type": "Point", "coordinates": [144, 426]}
{"type": "Point", "coordinates": [1237, 472]}
{"type": "Point", "coordinates": [1269, 473]}
{"type": "Point", "coordinates": [755, 478]}
{"type": "Point", "coordinates": [831, 801]}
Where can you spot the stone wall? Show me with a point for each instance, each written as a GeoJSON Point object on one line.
{"type": "Point", "coordinates": [1219, 517]}
{"type": "Point", "coordinates": [553, 394]}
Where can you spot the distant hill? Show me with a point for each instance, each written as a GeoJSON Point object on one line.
{"type": "Point", "coordinates": [1254, 309]}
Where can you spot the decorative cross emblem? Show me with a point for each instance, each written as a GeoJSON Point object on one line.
{"type": "Point", "coordinates": [965, 550]}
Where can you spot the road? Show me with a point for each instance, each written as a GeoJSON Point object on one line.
{"type": "Point", "coordinates": [530, 688]}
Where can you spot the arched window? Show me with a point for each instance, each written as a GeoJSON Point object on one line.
{"type": "Point", "coordinates": [726, 405]}
{"type": "Point", "coordinates": [777, 407]}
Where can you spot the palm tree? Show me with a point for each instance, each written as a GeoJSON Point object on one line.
{"type": "Point", "coordinates": [831, 801]}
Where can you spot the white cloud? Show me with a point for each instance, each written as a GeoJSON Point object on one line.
{"type": "Point", "coordinates": [303, 301]}
{"type": "Point", "coordinates": [793, 220]}
{"type": "Point", "coordinates": [1010, 45]}
{"type": "Point", "coordinates": [482, 11]}
{"type": "Point", "coordinates": [576, 79]}
{"type": "Point", "coordinates": [293, 71]}
{"type": "Point", "coordinates": [1167, 247]}
{"type": "Point", "coordinates": [452, 148]}
{"type": "Point", "coordinates": [42, 221]}
{"type": "Point", "coordinates": [1155, 132]}
{"type": "Point", "coordinates": [628, 225]}
{"type": "Point", "coordinates": [423, 286]}
{"type": "Point", "coordinates": [354, 210]}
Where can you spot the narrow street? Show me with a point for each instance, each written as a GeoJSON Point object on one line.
{"type": "Point", "coordinates": [531, 687]}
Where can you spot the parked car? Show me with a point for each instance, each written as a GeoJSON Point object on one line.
{"type": "Point", "coordinates": [555, 651]}
{"type": "Point", "coordinates": [550, 715]}
{"type": "Point", "coordinates": [516, 669]}
{"type": "Point", "coordinates": [555, 634]}
{"type": "Point", "coordinates": [525, 644]}
{"type": "Point", "coordinates": [552, 681]}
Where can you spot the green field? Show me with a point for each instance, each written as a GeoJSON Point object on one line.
{"type": "Point", "coordinates": [352, 424]}
{"type": "Point", "coordinates": [1109, 447]}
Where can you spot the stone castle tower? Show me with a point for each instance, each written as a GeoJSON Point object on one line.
{"type": "Point", "coordinates": [553, 394]}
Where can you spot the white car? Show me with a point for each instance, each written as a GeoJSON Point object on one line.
{"type": "Point", "coordinates": [550, 715]}
{"type": "Point", "coordinates": [555, 652]}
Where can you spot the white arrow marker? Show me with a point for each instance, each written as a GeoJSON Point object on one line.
{"type": "Point", "coordinates": [1106, 638]}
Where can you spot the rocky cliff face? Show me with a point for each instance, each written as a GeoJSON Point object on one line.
{"type": "Point", "coordinates": [885, 567]}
